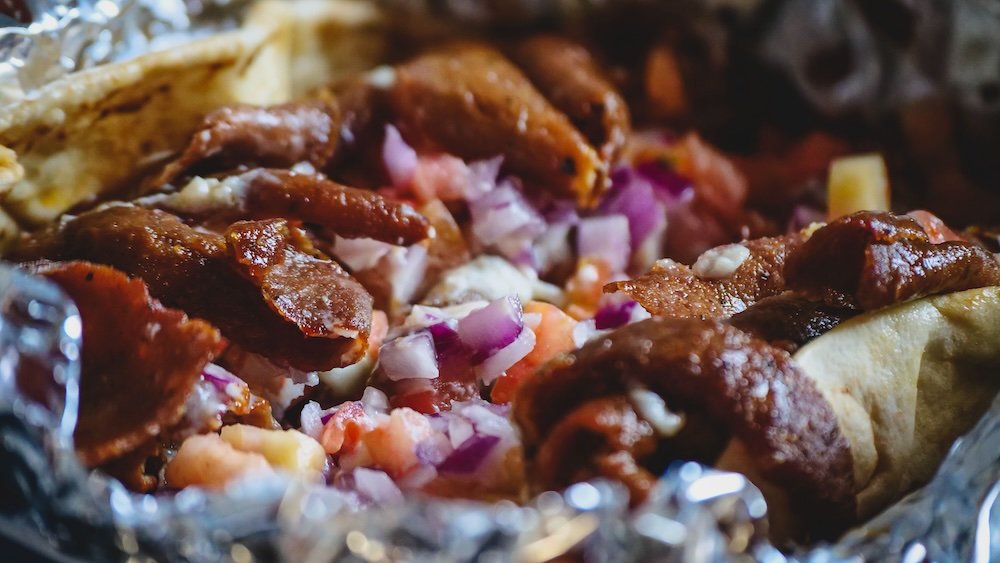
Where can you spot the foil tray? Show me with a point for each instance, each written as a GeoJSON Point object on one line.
{"type": "Point", "coordinates": [697, 514]}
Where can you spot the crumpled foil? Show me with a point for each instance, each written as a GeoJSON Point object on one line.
{"type": "Point", "coordinates": [697, 513]}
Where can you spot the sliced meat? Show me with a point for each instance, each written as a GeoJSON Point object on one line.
{"type": "Point", "coordinates": [790, 320]}
{"type": "Point", "coordinates": [195, 271]}
{"type": "Point", "coordinates": [875, 259]}
{"type": "Point", "coordinates": [566, 73]}
{"type": "Point", "coordinates": [470, 101]}
{"type": "Point", "coordinates": [267, 193]}
{"type": "Point", "coordinates": [279, 136]}
{"type": "Point", "coordinates": [671, 289]}
{"type": "Point", "coordinates": [725, 382]}
{"type": "Point", "coordinates": [140, 360]}
{"type": "Point", "coordinates": [316, 295]}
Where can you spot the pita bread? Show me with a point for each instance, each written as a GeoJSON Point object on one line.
{"type": "Point", "coordinates": [905, 382]}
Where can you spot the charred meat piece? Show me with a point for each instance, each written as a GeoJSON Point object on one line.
{"type": "Point", "coordinates": [789, 320]}
{"type": "Point", "coordinates": [728, 385]}
{"type": "Point", "coordinates": [875, 259]}
{"type": "Point", "coordinates": [310, 198]}
{"type": "Point", "coordinates": [671, 289]}
{"type": "Point", "coordinates": [197, 272]}
{"type": "Point", "coordinates": [288, 280]}
{"type": "Point", "coordinates": [278, 136]}
{"type": "Point", "coordinates": [566, 73]}
{"type": "Point", "coordinates": [140, 359]}
{"type": "Point", "coordinates": [470, 101]}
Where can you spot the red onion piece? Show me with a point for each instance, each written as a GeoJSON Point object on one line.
{"type": "Point", "coordinates": [482, 177]}
{"type": "Point", "coordinates": [491, 328]}
{"type": "Point", "coordinates": [310, 420]}
{"type": "Point", "coordinates": [504, 213]}
{"type": "Point", "coordinates": [459, 430]}
{"type": "Point", "coordinates": [360, 253]}
{"type": "Point", "coordinates": [614, 315]}
{"type": "Point", "coordinates": [663, 177]}
{"type": "Point", "coordinates": [637, 201]}
{"type": "Point", "coordinates": [494, 366]}
{"type": "Point", "coordinates": [803, 216]}
{"type": "Point", "coordinates": [400, 159]}
{"type": "Point", "coordinates": [409, 357]}
{"type": "Point", "coordinates": [433, 450]}
{"type": "Point", "coordinates": [467, 458]}
{"type": "Point", "coordinates": [606, 238]}
{"type": "Point", "coordinates": [220, 377]}
{"type": "Point", "coordinates": [375, 486]}
{"type": "Point", "coordinates": [374, 401]}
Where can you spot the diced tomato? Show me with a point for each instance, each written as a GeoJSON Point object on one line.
{"type": "Point", "coordinates": [934, 227]}
{"type": "Point", "coordinates": [553, 336]}
{"type": "Point", "coordinates": [443, 177]}
{"type": "Point", "coordinates": [420, 401]}
{"type": "Point", "coordinates": [393, 444]}
{"type": "Point", "coordinates": [380, 327]}
{"type": "Point", "coordinates": [344, 429]}
{"type": "Point", "coordinates": [586, 286]}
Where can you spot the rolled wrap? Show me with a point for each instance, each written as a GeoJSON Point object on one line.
{"type": "Point", "coordinates": [853, 420]}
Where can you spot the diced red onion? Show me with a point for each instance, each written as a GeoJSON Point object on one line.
{"type": "Point", "coordinates": [483, 177]}
{"type": "Point", "coordinates": [447, 343]}
{"type": "Point", "coordinates": [310, 420]}
{"type": "Point", "coordinates": [406, 268]}
{"type": "Point", "coordinates": [400, 159]}
{"type": "Point", "coordinates": [467, 458]}
{"type": "Point", "coordinates": [494, 366]}
{"type": "Point", "coordinates": [663, 177]}
{"type": "Point", "coordinates": [434, 449]}
{"type": "Point", "coordinates": [606, 238]}
{"type": "Point", "coordinates": [504, 213]}
{"type": "Point", "coordinates": [417, 477]}
{"type": "Point", "coordinates": [375, 400]}
{"type": "Point", "coordinates": [360, 253]}
{"type": "Point", "coordinates": [459, 430]}
{"type": "Point", "coordinates": [488, 420]}
{"type": "Point", "coordinates": [376, 486]}
{"type": "Point", "coordinates": [614, 315]}
{"type": "Point", "coordinates": [409, 357]}
{"type": "Point", "coordinates": [491, 328]}
{"type": "Point", "coordinates": [220, 377]}
{"type": "Point", "coordinates": [636, 201]}
{"type": "Point", "coordinates": [553, 247]}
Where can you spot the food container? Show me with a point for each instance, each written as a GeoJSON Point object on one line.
{"type": "Point", "coordinates": [49, 503]}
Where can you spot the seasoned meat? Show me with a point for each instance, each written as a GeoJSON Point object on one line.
{"type": "Point", "coordinates": [729, 382]}
{"type": "Point", "coordinates": [875, 259]}
{"type": "Point", "coordinates": [671, 289]}
{"type": "Point", "coordinates": [140, 359]}
{"type": "Point", "coordinates": [311, 198]}
{"type": "Point", "coordinates": [204, 275]}
{"type": "Point", "coordinates": [566, 73]}
{"type": "Point", "coordinates": [470, 101]}
{"type": "Point", "coordinates": [279, 136]}
{"type": "Point", "coordinates": [789, 320]}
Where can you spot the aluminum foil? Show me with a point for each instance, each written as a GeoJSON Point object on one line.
{"type": "Point", "coordinates": [697, 514]}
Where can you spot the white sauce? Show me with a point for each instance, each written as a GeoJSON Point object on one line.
{"type": "Point", "coordinates": [720, 262]}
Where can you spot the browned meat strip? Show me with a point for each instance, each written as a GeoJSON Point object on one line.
{"type": "Point", "coordinates": [194, 271]}
{"type": "Point", "coordinates": [272, 193]}
{"type": "Point", "coordinates": [874, 259]}
{"type": "Point", "coordinates": [671, 289]}
{"type": "Point", "coordinates": [721, 378]}
{"type": "Point", "coordinates": [288, 281]}
{"type": "Point", "coordinates": [789, 320]}
{"type": "Point", "coordinates": [140, 359]}
{"type": "Point", "coordinates": [566, 73]}
{"type": "Point", "coordinates": [278, 136]}
{"type": "Point", "coordinates": [470, 101]}
{"type": "Point", "coordinates": [603, 437]}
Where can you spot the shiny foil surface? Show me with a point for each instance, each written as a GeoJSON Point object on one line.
{"type": "Point", "coordinates": [697, 514]}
